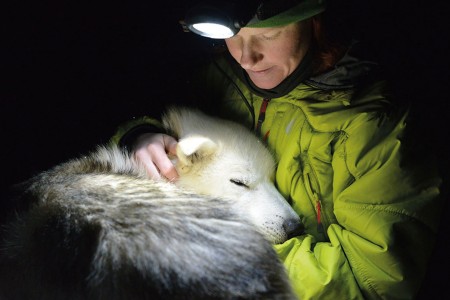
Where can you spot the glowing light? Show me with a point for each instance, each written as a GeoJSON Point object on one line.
{"type": "Point", "coordinates": [211, 30]}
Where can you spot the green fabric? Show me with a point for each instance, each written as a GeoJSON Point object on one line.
{"type": "Point", "coordinates": [344, 149]}
{"type": "Point", "coordinates": [305, 10]}
{"type": "Point", "coordinates": [127, 126]}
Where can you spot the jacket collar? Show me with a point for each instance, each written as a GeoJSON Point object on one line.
{"type": "Point", "coordinates": [348, 72]}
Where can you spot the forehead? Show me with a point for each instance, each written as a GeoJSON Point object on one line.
{"type": "Point", "coordinates": [254, 158]}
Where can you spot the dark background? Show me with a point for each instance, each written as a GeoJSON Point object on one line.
{"type": "Point", "coordinates": [71, 72]}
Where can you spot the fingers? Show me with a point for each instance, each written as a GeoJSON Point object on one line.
{"type": "Point", "coordinates": [171, 144]}
{"type": "Point", "coordinates": [162, 161]}
{"type": "Point", "coordinates": [152, 150]}
{"type": "Point", "coordinates": [143, 156]}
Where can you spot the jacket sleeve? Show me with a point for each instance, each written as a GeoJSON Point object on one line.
{"type": "Point", "coordinates": [385, 221]}
{"type": "Point", "coordinates": [127, 133]}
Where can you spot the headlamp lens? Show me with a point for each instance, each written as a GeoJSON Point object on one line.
{"type": "Point", "coordinates": [212, 30]}
{"type": "Point", "coordinates": [218, 21]}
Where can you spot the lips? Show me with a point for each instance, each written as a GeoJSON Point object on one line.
{"type": "Point", "coordinates": [258, 72]}
{"type": "Point", "coordinates": [266, 78]}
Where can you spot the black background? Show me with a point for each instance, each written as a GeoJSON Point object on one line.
{"type": "Point", "coordinates": [71, 72]}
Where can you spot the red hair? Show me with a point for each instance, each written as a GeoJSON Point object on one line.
{"type": "Point", "coordinates": [328, 50]}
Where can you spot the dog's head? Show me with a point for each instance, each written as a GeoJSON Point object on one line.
{"type": "Point", "coordinates": [223, 159]}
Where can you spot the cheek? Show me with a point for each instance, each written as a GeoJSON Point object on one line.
{"type": "Point", "coordinates": [280, 54]}
{"type": "Point", "coordinates": [287, 57]}
{"type": "Point", "coordinates": [233, 48]}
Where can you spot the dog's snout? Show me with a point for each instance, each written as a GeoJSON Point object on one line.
{"type": "Point", "coordinates": [293, 227]}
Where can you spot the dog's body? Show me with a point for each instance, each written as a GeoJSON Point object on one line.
{"type": "Point", "coordinates": [97, 228]}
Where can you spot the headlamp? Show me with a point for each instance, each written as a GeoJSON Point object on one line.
{"type": "Point", "coordinates": [217, 20]}
{"type": "Point", "coordinates": [221, 20]}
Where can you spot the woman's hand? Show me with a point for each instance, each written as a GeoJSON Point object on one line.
{"type": "Point", "coordinates": [153, 150]}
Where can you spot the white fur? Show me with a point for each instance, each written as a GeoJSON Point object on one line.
{"type": "Point", "coordinates": [230, 162]}
{"type": "Point", "coordinates": [97, 228]}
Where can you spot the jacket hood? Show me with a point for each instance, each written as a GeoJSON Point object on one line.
{"type": "Point", "coordinates": [348, 72]}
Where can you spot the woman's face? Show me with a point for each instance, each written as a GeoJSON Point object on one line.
{"type": "Point", "coordinates": [269, 55]}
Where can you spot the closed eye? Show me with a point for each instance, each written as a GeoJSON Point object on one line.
{"type": "Point", "coordinates": [271, 36]}
{"type": "Point", "coordinates": [239, 183]}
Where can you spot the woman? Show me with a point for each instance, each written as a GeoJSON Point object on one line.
{"type": "Point", "coordinates": [341, 144]}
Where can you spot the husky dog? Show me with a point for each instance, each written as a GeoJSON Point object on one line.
{"type": "Point", "coordinates": [97, 227]}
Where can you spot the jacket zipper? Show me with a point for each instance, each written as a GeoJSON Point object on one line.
{"type": "Point", "coordinates": [318, 207]}
{"type": "Point", "coordinates": [261, 118]}
{"type": "Point", "coordinates": [319, 214]}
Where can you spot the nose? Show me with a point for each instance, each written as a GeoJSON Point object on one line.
{"type": "Point", "coordinates": [293, 227]}
{"type": "Point", "coordinates": [249, 57]}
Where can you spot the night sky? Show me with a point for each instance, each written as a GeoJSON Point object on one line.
{"type": "Point", "coordinates": [73, 71]}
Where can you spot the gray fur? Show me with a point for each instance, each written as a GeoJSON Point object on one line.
{"type": "Point", "coordinates": [97, 228]}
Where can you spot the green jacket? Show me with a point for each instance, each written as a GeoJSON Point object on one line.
{"type": "Point", "coordinates": [370, 213]}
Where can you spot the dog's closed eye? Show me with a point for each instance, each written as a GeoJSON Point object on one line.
{"type": "Point", "coordinates": [239, 183]}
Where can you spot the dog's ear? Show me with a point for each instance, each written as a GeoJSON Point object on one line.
{"type": "Point", "coordinates": [193, 148]}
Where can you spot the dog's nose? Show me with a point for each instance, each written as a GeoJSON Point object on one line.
{"type": "Point", "coordinates": [293, 227]}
